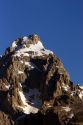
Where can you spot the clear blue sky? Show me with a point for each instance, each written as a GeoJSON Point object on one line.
{"type": "Point", "coordinates": [58, 22]}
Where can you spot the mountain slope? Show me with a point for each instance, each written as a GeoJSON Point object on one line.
{"type": "Point", "coordinates": [35, 87]}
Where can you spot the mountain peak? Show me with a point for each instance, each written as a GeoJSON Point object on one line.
{"type": "Point", "coordinates": [29, 44]}
{"type": "Point", "coordinates": [34, 85]}
{"type": "Point", "coordinates": [34, 39]}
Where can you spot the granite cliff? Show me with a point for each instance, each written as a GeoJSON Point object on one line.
{"type": "Point", "coordinates": [35, 88]}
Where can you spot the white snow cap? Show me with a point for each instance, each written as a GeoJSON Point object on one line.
{"type": "Point", "coordinates": [28, 44]}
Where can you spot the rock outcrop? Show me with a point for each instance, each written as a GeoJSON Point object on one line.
{"type": "Point", "coordinates": [35, 88]}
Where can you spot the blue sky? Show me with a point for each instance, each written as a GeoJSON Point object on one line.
{"type": "Point", "coordinates": [58, 22]}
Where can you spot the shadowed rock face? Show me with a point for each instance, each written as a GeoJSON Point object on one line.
{"type": "Point", "coordinates": [35, 88]}
{"type": "Point", "coordinates": [49, 118]}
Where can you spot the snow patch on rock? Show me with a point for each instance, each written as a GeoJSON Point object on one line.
{"type": "Point", "coordinates": [27, 109]}
{"type": "Point", "coordinates": [25, 38]}
{"type": "Point", "coordinates": [81, 95]}
{"type": "Point", "coordinates": [20, 72]}
{"type": "Point", "coordinates": [71, 116]}
{"type": "Point", "coordinates": [65, 87]}
{"type": "Point", "coordinates": [30, 65]}
{"type": "Point", "coordinates": [14, 45]}
{"type": "Point", "coordinates": [7, 86]}
{"type": "Point", "coordinates": [67, 108]}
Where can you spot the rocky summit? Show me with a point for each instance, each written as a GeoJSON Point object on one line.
{"type": "Point", "coordinates": [35, 88]}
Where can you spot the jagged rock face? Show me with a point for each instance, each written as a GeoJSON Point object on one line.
{"type": "Point", "coordinates": [34, 86]}
{"type": "Point", "coordinates": [5, 119]}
